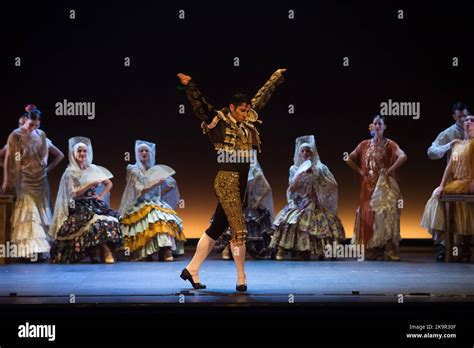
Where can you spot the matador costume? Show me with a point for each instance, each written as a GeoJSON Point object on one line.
{"type": "Point", "coordinates": [231, 137]}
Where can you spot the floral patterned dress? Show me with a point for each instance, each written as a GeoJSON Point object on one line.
{"type": "Point", "coordinates": [462, 173]}
{"type": "Point", "coordinates": [372, 158]}
{"type": "Point", "coordinates": [304, 224]}
{"type": "Point", "coordinates": [90, 223]}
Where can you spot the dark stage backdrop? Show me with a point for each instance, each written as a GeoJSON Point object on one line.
{"type": "Point", "coordinates": [82, 60]}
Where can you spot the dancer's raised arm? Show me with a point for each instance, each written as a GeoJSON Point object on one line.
{"type": "Point", "coordinates": [264, 93]}
{"type": "Point", "coordinates": [203, 110]}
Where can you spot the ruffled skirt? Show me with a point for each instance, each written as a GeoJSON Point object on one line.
{"type": "Point", "coordinates": [90, 223]}
{"type": "Point", "coordinates": [149, 226]}
{"type": "Point", "coordinates": [30, 223]}
{"type": "Point", "coordinates": [306, 229]}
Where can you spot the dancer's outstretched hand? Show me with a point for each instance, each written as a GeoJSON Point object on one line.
{"type": "Point", "coordinates": [281, 71]}
{"type": "Point", "coordinates": [184, 79]}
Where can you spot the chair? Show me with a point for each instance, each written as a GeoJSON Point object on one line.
{"type": "Point", "coordinates": [448, 213]}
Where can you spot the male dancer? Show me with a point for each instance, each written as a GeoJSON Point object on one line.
{"type": "Point", "coordinates": [444, 141]}
{"type": "Point", "coordinates": [233, 134]}
{"type": "Point", "coordinates": [440, 147]}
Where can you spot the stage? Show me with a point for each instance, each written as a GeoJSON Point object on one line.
{"type": "Point", "coordinates": [417, 277]}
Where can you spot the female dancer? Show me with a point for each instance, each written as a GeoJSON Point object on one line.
{"type": "Point", "coordinates": [82, 221]}
{"type": "Point", "coordinates": [458, 178]}
{"type": "Point", "coordinates": [149, 225]}
{"type": "Point", "coordinates": [308, 222]}
{"type": "Point", "coordinates": [377, 225]}
{"type": "Point", "coordinates": [26, 168]}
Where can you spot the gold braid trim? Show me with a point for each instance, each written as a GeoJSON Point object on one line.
{"type": "Point", "coordinates": [142, 239]}
{"type": "Point", "coordinates": [142, 213]}
{"type": "Point", "coordinates": [227, 147]}
{"type": "Point", "coordinates": [226, 185]}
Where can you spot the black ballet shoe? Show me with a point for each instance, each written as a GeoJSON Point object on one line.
{"type": "Point", "coordinates": [241, 287]}
{"type": "Point", "coordinates": [441, 254]}
{"type": "Point", "coordinates": [185, 275]}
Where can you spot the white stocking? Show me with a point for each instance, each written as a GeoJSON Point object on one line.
{"type": "Point", "coordinates": [203, 249]}
{"type": "Point", "coordinates": [238, 252]}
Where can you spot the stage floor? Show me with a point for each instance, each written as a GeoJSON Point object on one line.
{"type": "Point", "coordinates": [418, 277]}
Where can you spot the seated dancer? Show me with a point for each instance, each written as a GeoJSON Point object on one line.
{"type": "Point", "coordinates": [25, 171]}
{"type": "Point", "coordinates": [308, 222]}
{"type": "Point", "coordinates": [259, 215]}
{"type": "Point", "coordinates": [149, 225]}
{"type": "Point", "coordinates": [377, 225]}
{"type": "Point", "coordinates": [233, 133]}
{"type": "Point", "coordinates": [440, 147]}
{"type": "Point", "coordinates": [458, 178]}
{"type": "Point", "coordinates": [83, 224]}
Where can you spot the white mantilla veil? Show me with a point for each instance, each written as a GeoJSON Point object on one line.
{"type": "Point", "coordinates": [74, 144]}
{"type": "Point", "coordinates": [258, 189]}
{"type": "Point", "coordinates": [326, 183]}
{"type": "Point", "coordinates": [302, 142]}
{"type": "Point", "coordinates": [135, 180]}
{"type": "Point", "coordinates": [151, 158]}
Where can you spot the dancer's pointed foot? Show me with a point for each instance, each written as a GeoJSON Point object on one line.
{"type": "Point", "coordinates": [391, 256]}
{"type": "Point", "coordinates": [226, 253]}
{"type": "Point", "coordinates": [168, 255]}
{"type": "Point", "coordinates": [185, 275]}
{"type": "Point", "coordinates": [280, 255]}
{"type": "Point", "coordinates": [107, 254]}
{"type": "Point", "coordinates": [241, 283]}
{"type": "Point", "coordinates": [391, 252]}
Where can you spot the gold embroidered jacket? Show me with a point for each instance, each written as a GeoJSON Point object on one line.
{"type": "Point", "coordinates": [223, 130]}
